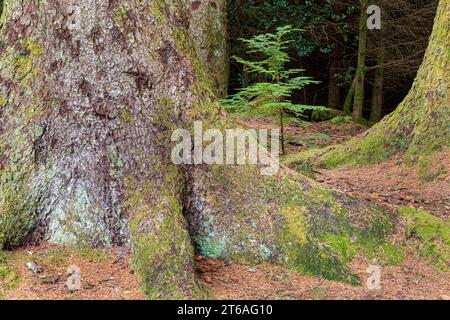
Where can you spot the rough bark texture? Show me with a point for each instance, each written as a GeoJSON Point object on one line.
{"type": "Point", "coordinates": [349, 99]}
{"type": "Point", "coordinates": [358, 102]}
{"type": "Point", "coordinates": [376, 103]}
{"type": "Point", "coordinates": [87, 109]}
{"type": "Point", "coordinates": [419, 125]}
{"type": "Point", "coordinates": [89, 93]}
{"type": "Point", "coordinates": [208, 27]}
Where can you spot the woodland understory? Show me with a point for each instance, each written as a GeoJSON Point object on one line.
{"type": "Point", "coordinates": [90, 93]}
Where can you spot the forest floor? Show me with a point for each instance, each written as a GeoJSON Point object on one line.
{"type": "Point", "coordinates": [106, 274]}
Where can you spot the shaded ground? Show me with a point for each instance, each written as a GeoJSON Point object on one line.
{"type": "Point", "coordinates": [392, 183]}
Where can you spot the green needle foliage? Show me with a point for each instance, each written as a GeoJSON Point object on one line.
{"type": "Point", "coordinates": [272, 97]}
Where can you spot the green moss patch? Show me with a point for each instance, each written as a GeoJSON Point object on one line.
{"type": "Point", "coordinates": [428, 171]}
{"type": "Point", "coordinates": [432, 233]}
{"type": "Point", "coordinates": [9, 277]}
{"type": "Point", "coordinates": [16, 207]}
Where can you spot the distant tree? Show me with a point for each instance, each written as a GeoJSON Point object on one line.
{"type": "Point", "coordinates": [272, 96]}
{"type": "Point", "coordinates": [392, 54]}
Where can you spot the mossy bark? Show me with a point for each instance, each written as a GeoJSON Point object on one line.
{"type": "Point", "coordinates": [235, 213]}
{"type": "Point", "coordinates": [349, 98]}
{"type": "Point", "coordinates": [432, 233]}
{"type": "Point", "coordinates": [88, 107]}
{"type": "Point", "coordinates": [334, 97]}
{"type": "Point", "coordinates": [419, 125]}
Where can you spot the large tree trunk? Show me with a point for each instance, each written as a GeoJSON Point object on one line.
{"type": "Point", "coordinates": [419, 125]}
{"type": "Point", "coordinates": [208, 27]}
{"type": "Point", "coordinates": [89, 96]}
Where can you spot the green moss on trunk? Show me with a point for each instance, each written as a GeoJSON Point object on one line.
{"type": "Point", "coordinates": [293, 221]}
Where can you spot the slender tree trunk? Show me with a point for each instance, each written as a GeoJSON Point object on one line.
{"type": "Point", "coordinates": [333, 89]}
{"type": "Point", "coordinates": [334, 100]}
{"type": "Point", "coordinates": [349, 99]}
{"type": "Point", "coordinates": [89, 97]}
{"type": "Point", "coordinates": [358, 103]}
{"type": "Point", "coordinates": [376, 105]}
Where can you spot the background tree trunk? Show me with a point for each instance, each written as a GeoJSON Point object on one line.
{"type": "Point", "coordinates": [358, 102]}
{"type": "Point", "coordinates": [334, 100]}
{"type": "Point", "coordinates": [89, 97]}
{"type": "Point", "coordinates": [376, 105]}
{"type": "Point", "coordinates": [208, 27]}
{"type": "Point", "coordinates": [333, 88]}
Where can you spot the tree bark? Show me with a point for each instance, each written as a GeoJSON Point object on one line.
{"type": "Point", "coordinates": [358, 102]}
{"type": "Point", "coordinates": [419, 125]}
{"type": "Point", "coordinates": [89, 97]}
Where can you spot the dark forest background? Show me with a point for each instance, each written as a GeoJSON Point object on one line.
{"type": "Point", "coordinates": [328, 45]}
